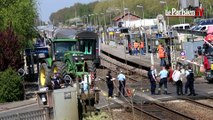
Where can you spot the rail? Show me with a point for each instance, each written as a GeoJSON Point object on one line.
{"type": "Point", "coordinates": [198, 103]}
{"type": "Point", "coordinates": [125, 61]}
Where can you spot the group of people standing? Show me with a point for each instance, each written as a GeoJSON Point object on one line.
{"type": "Point", "coordinates": [137, 48]}
{"type": "Point", "coordinates": [110, 84]}
{"type": "Point", "coordinates": [177, 76]}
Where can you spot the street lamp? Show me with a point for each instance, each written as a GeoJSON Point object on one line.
{"type": "Point", "coordinates": [110, 15]}
{"type": "Point", "coordinates": [164, 2]}
{"type": "Point", "coordinates": [125, 9]}
{"type": "Point", "coordinates": [140, 6]}
{"type": "Point", "coordinates": [145, 37]}
{"type": "Point", "coordinates": [104, 19]}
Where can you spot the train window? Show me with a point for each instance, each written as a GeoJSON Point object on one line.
{"type": "Point", "coordinates": [89, 48]}
{"type": "Point", "coordinates": [81, 42]}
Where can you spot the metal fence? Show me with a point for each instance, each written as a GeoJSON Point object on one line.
{"type": "Point", "coordinates": [42, 114]}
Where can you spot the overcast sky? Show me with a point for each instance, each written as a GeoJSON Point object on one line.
{"type": "Point", "coordinates": [46, 7]}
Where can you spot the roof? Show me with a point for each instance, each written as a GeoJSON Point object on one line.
{"type": "Point", "coordinates": [65, 33]}
{"type": "Point", "coordinates": [86, 34]}
{"type": "Point", "coordinates": [64, 40]}
{"type": "Point", "coordinates": [132, 17]}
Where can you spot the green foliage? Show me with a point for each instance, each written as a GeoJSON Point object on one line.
{"type": "Point", "coordinates": [20, 14]}
{"type": "Point", "coordinates": [11, 88]}
{"type": "Point", "coordinates": [115, 7]}
{"type": "Point", "coordinates": [10, 52]}
{"type": "Point", "coordinates": [78, 10]}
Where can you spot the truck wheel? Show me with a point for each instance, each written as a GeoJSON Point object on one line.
{"type": "Point", "coordinates": [59, 67]}
{"type": "Point", "coordinates": [44, 76]}
{"type": "Point", "coordinates": [91, 66]}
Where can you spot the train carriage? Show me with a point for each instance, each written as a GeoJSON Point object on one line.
{"type": "Point", "coordinates": [88, 43]}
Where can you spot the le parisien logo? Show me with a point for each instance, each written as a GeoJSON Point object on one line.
{"type": "Point", "coordinates": [198, 12]}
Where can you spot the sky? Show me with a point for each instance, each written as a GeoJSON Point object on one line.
{"type": "Point", "coordinates": [46, 7]}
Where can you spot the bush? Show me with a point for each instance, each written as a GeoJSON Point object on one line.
{"type": "Point", "coordinates": [11, 87]}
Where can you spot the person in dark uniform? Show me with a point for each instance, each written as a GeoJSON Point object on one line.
{"type": "Point", "coordinates": [190, 82]}
{"type": "Point", "coordinates": [168, 53]}
{"type": "Point", "coordinates": [152, 78]}
{"type": "Point", "coordinates": [109, 81]}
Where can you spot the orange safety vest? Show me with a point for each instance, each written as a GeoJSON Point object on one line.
{"type": "Point", "coordinates": [142, 45]}
{"type": "Point", "coordinates": [161, 52]}
{"type": "Point", "coordinates": [135, 45]}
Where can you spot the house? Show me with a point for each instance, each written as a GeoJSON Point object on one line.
{"type": "Point", "coordinates": [131, 20]}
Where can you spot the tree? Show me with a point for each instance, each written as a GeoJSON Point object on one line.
{"type": "Point", "coordinates": [17, 19]}
{"type": "Point", "coordinates": [11, 88]}
{"type": "Point", "coordinates": [20, 15]}
{"type": "Point", "coordinates": [10, 52]}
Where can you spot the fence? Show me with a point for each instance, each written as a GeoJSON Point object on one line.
{"type": "Point", "coordinates": [41, 114]}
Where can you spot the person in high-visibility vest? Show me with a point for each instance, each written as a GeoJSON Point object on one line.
{"type": "Point", "coordinates": [142, 47]}
{"type": "Point", "coordinates": [130, 48]}
{"type": "Point", "coordinates": [135, 48]}
{"type": "Point", "coordinates": [161, 54]}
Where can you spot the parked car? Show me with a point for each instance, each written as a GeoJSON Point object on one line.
{"type": "Point", "coordinates": [181, 26]}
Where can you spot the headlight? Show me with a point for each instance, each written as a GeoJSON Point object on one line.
{"type": "Point", "coordinates": [82, 58]}
{"type": "Point", "coordinates": [76, 58]}
{"type": "Point", "coordinates": [74, 55]}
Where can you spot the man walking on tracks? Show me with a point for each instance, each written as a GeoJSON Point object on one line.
{"type": "Point", "coordinates": [152, 77]}
{"type": "Point", "coordinates": [163, 80]}
{"type": "Point", "coordinates": [190, 82]}
{"type": "Point", "coordinates": [110, 84]}
{"type": "Point", "coordinates": [122, 82]}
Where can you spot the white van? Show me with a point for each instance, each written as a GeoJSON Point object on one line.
{"type": "Point", "coordinates": [181, 26]}
{"type": "Point", "coordinates": [202, 28]}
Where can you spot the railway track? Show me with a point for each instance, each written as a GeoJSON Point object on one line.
{"type": "Point", "coordinates": [124, 68]}
{"type": "Point", "coordinates": [197, 103]}
{"type": "Point", "coordinates": [155, 110]}
{"type": "Point", "coordinates": [160, 112]}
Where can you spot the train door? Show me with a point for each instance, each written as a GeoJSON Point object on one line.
{"type": "Point", "coordinates": [87, 47]}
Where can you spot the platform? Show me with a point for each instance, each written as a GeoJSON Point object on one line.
{"type": "Point", "coordinates": [120, 52]}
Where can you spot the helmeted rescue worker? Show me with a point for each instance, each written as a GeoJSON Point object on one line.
{"type": "Point", "coordinates": [163, 80]}
{"type": "Point", "coordinates": [152, 78]}
{"type": "Point", "coordinates": [142, 47]}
